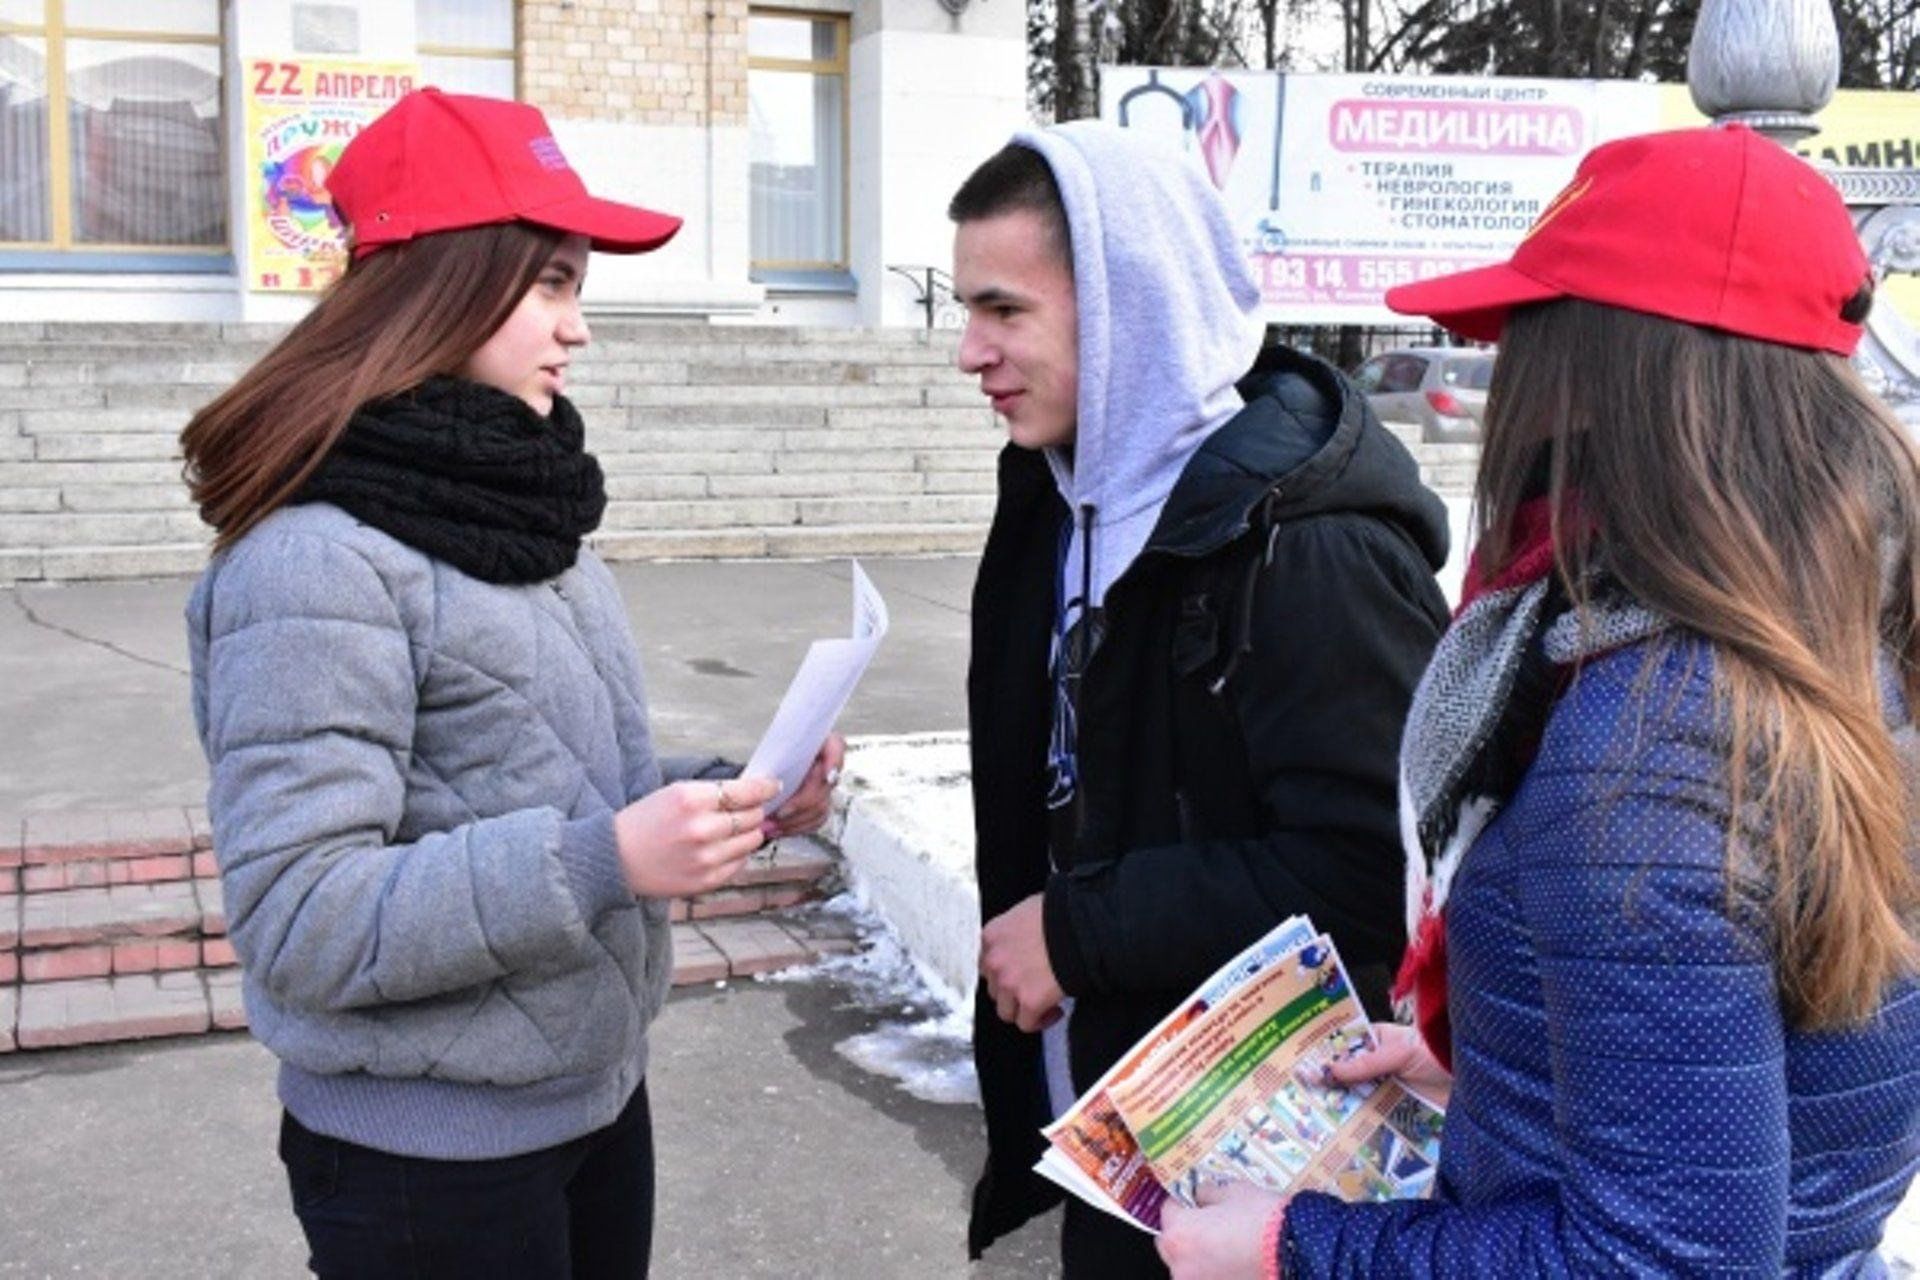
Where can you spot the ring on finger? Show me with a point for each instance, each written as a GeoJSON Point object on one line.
{"type": "Point", "coordinates": [721, 798]}
{"type": "Point", "coordinates": [733, 823]}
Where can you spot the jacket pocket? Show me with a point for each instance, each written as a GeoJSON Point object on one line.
{"type": "Point", "coordinates": [1196, 634]}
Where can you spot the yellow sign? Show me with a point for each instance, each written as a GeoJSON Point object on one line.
{"type": "Point", "coordinates": [299, 114]}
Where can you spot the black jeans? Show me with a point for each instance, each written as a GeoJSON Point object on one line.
{"type": "Point", "coordinates": [580, 1211]}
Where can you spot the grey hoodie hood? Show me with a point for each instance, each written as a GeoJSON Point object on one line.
{"type": "Point", "coordinates": [1168, 317]}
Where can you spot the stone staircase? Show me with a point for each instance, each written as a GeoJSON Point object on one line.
{"type": "Point", "coordinates": [112, 926]}
{"type": "Point", "coordinates": [717, 441]}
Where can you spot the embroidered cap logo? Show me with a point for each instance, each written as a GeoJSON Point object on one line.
{"type": "Point", "coordinates": [547, 152]}
{"type": "Point", "coordinates": [1557, 206]}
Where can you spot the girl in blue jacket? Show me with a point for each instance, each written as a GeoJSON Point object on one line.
{"type": "Point", "coordinates": [1658, 783]}
{"type": "Point", "coordinates": [446, 842]}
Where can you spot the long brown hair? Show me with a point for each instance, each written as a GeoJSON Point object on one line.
{"type": "Point", "coordinates": [396, 318]}
{"type": "Point", "coordinates": [1760, 496]}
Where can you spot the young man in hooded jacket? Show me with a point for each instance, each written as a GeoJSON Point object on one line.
{"type": "Point", "coordinates": [1202, 609]}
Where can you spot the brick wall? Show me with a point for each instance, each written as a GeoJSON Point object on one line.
{"type": "Point", "coordinates": [635, 61]}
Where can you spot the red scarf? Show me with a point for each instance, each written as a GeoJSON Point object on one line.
{"type": "Point", "coordinates": [1422, 980]}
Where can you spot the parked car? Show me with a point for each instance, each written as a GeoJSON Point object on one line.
{"type": "Point", "coordinates": [1442, 390]}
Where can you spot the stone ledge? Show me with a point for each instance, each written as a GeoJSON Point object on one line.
{"type": "Point", "coordinates": [122, 1005]}
{"type": "Point", "coordinates": [98, 1010]}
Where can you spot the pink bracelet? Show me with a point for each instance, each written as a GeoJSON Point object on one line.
{"type": "Point", "coordinates": [1270, 1243]}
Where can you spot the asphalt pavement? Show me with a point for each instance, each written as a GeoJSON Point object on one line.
{"type": "Point", "coordinates": [777, 1155]}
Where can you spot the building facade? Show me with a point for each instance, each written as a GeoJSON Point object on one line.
{"type": "Point", "coordinates": [152, 167]}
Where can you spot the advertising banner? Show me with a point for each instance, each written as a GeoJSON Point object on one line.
{"type": "Point", "coordinates": [299, 114]}
{"type": "Point", "coordinates": [1343, 186]}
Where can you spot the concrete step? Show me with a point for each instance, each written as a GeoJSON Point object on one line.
{"type": "Point", "coordinates": [716, 440]}
{"type": "Point", "coordinates": [113, 925]}
{"type": "Point", "coordinates": [793, 542]}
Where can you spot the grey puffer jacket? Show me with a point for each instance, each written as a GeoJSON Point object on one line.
{"type": "Point", "coordinates": [413, 780]}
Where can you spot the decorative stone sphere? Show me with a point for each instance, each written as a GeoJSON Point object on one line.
{"type": "Point", "coordinates": [1769, 63]}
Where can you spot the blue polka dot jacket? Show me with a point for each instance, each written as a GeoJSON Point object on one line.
{"type": "Point", "coordinates": [1628, 1097]}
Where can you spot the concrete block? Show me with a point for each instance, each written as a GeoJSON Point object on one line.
{"type": "Point", "coordinates": [642, 486]}
{"type": "Point", "coordinates": [97, 1010]}
{"type": "Point", "coordinates": [163, 867]}
{"type": "Point", "coordinates": [45, 879]}
{"type": "Point", "coordinates": [681, 544]}
{"type": "Point", "coordinates": [217, 953]}
{"type": "Point", "coordinates": [9, 880]}
{"type": "Point", "coordinates": [906, 835]}
{"type": "Point", "coordinates": [68, 836]}
{"type": "Point", "coordinates": [920, 509]}
{"type": "Point", "coordinates": [10, 911]}
{"type": "Point", "coordinates": [907, 436]}
{"type": "Point", "coordinates": [89, 446]}
{"type": "Point", "coordinates": [62, 964]}
{"type": "Point", "coordinates": [876, 540]}
{"type": "Point", "coordinates": [224, 1000]}
{"type": "Point", "coordinates": [67, 422]}
{"type": "Point", "coordinates": [983, 458]}
{"type": "Point", "coordinates": [185, 397]}
{"type": "Point", "coordinates": [22, 566]}
{"type": "Point", "coordinates": [727, 902]}
{"type": "Point", "coordinates": [683, 455]}
{"type": "Point", "coordinates": [18, 395]}
{"type": "Point", "coordinates": [927, 375]}
{"type": "Point", "coordinates": [9, 969]}
{"type": "Point", "coordinates": [755, 945]}
{"type": "Point", "coordinates": [127, 497]}
{"type": "Point", "coordinates": [12, 845]}
{"type": "Point", "coordinates": [706, 514]}
{"type": "Point", "coordinates": [695, 959]}
{"type": "Point", "coordinates": [68, 529]}
{"type": "Point", "coordinates": [980, 418]}
{"type": "Point", "coordinates": [200, 826]}
{"type": "Point", "coordinates": [790, 373]}
{"type": "Point", "coordinates": [56, 475]}
{"type": "Point", "coordinates": [141, 332]}
{"type": "Point", "coordinates": [57, 373]}
{"type": "Point", "coordinates": [696, 443]}
{"type": "Point", "coordinates": [978, 483]}
{"type": "Point", "coordinates": [775, 414]}
{"type": "Point", "coordinates": [844, 461]}
{"type": "Point", "coordinates": [211, 902]}
{"type": "Point", "coordinates": [818, 484]}
{"type": "Point", "coordinates": [796, 861]}
{"type": "Point", "coordinates": [149, 956]}
{"type": "Point", "coordinates": [9, 1018]}
{"type": "Point", "coordinates": [961, 396]}
{"type": "Point", "coordinates": [174, 559]}
{"type": "Point", "coordinates": [617, 371]}
{"type": "Point", "coordinates": [15, 501]}
{"type": "Point", "coordinates": [73, 917]}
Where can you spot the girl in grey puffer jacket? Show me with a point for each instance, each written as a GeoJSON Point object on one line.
{"type": "Point", "coordinates": [446, 843]}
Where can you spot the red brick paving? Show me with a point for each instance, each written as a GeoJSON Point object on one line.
{"type": "Point", "coordinates": [112, 926]}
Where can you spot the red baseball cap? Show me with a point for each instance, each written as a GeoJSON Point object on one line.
{"type": "Point", "coordinates": [442, 161]}
{"type": "Point", "coordinates": [1720, 227]}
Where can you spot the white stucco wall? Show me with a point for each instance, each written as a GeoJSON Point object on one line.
{"type": "Point", "coordinates": [930, 95]}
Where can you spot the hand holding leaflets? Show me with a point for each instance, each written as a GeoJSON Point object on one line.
{"type": "Point", "coordinates": [1234, 1085]}
{"type": "Point", "coordinates": [817, 695]}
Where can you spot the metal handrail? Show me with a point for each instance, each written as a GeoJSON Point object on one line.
{"type": "Point", "coordinates": [933, 289]}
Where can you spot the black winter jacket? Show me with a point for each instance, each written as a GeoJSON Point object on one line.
{"type": "Point", "coordinates": [1294, 558]}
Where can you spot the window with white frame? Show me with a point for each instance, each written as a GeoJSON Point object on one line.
{"type": "Point", "coordinates": [110, 127]}
{"type": "Point", "coordinates": [466, 46]}
{"type": "Point", "coordinates": [797, 128]}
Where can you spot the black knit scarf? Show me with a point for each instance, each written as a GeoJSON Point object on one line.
{"type": "Point", "coordinates": [470, 475]}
